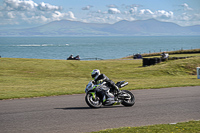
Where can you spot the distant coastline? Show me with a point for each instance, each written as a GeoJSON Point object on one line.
{"type": "Point", "coordinates": [150, 27]}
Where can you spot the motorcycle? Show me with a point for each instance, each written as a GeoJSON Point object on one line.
{"type": "Point", "coordinates": [98, 95]}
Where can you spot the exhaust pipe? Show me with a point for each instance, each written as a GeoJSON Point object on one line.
{"type": "Point", "coordinates": [124, 84]}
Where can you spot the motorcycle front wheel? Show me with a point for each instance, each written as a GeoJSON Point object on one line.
{"type": "Point", "coordinates": [129, 101]}
{"type": "Point", "coordinates": [93, 102]}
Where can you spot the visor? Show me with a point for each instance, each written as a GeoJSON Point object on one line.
{"type": "Point", "coordinates": [94, 75]}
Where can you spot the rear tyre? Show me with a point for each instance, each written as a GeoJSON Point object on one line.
{"type": "Point", "coordinates": [128, 102]}
{"type": "Point", "coordinates": [93, 103]}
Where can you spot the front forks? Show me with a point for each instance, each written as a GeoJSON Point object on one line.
{"type": "Point", "coordinates": [93, 95]}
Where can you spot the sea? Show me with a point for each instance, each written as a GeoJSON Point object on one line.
{"type": "Point", "coordinates": [92, 48]}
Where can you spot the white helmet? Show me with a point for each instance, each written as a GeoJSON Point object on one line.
{"type": "Point", "coordinates": [95, 73]}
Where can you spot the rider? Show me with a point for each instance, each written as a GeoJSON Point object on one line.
{"type": "Point", "coordinates": [100, 78]}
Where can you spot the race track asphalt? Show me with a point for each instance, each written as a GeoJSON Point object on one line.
{"type": "Point", "coordinates": [70, 113]}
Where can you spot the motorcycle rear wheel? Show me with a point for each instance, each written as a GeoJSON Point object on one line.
{"type": "Point", "coordinates": [91, 102]}
{"type": "Point", "coordinates": [129, 102]}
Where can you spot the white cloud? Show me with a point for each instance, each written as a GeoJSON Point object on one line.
{"type": "Point", "coordinates": [112, 6]}
{"type": "Point", "coordinates": [159, 14]}
{"type": "Point", "coordinates": [99, 11]}
{"type": "Point", "coordinates": [146, 12]}
{"type": "Point", "coordinates": [185, 17]}
{"type": "Point", "coordinates": [133, 10]}
{"type": "Point", "coordinates": [164, 14]}
{"type": "Point", "coordinates": [87, 7]}
{"type": "Point", "coordinates": [196, 16]}
{"type": "Point", "coordinates": [188, 16]}
{"type": "Point", "coordinates": [71, 15]}
{"type": "Point", "coordinates": [26, 5]}
{"type": "Point", "coordinates": [19, 5]}
{"type": "Point", "coordinates": [20, 11]}
{"type": "Point", "coordinates": [59, 16]}
{"type": "Point", "coordinates": [10, 15]}
{"type": "Point", "coordinates": [129, 13]}
{"type": "Point", "coordinates": [28, 11]}
{"type": "Point", "coordinates": [47, 7]}
{"type": "Point", "coordinates": [113, 11]}
{"type": "Point", "coordinates": [186, 7]}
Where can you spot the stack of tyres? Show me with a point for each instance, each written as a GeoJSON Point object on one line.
{"type": "Point", "coordinates": [150, 61]}
{"type": "Point", "coordinates": [146, 62]}
{"type": "Point", "coordinates": [158, 60]}
{"type": "Point", "coordinates": [163, 59]}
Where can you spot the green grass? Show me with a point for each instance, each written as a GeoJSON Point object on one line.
{"type": "Point", "coordinates": [22, 78]}
{"type": "Point", "coordinates": [185, 127]}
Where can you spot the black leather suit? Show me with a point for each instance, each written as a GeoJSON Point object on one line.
{"type": "Point", "coordinates": [103, 78]}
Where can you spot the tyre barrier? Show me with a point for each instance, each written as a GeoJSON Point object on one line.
{"type": "Point", "coordinates": [153, 61]}
{"type": "Point", "coordinates": [146, 62]}
{"type": "Point", "coordinates": [176, 58]}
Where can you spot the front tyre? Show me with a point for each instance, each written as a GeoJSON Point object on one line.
{"type": "Point", "coordinates": [93, 102]}
{"type": "Point", "coordinates": [128, 101]}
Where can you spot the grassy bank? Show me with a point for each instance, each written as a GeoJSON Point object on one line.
{"type": "Point", "coordinates": [185, 127]}
{"type": "Point", "coordinates": [20, 78]}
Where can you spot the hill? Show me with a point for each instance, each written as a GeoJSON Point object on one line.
{"type": "Point", "coordinates": [150, 27]}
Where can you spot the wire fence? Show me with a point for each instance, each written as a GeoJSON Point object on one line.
{"type": "Point", "coordinates": [91, 59]}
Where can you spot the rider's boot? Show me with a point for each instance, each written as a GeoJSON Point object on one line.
{"type": "Point", "coordinates": [118, 91]}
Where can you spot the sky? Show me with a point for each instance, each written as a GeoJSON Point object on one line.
{"type": "Point", "coordinates": [30, 13]}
